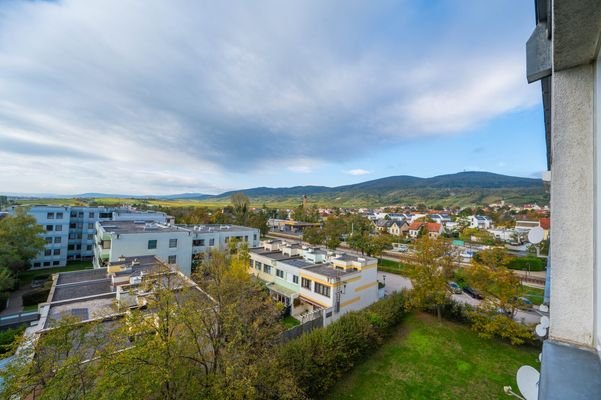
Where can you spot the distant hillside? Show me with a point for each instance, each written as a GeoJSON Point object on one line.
{"type": "Point", "coordinates": [459, 189]}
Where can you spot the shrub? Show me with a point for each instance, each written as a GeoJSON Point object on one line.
{"type": "Point", "coordinates": [493, 324]}
{"type": "Point", "coordinates": [320, 358]}
{"type": "Point", "coordinates": [527, 263]}
{"type": "Point", "coordinates": [7, 339]}
{"type": "Point", "coordinates": [454, 311]}
{"type": "Point", "coordinates": [35, 297]}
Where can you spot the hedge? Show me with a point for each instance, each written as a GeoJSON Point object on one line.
{"type": "Point", "coordinates": [35, 297]}
{"type": "Point", "coordinates": [527, 263]}
{"type": "Point", "coordinates": [322, 357]}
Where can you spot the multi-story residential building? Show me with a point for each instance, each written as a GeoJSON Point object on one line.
{"type": "Point", "coordinates": [309, 279]}
{"type": "Point", "coordinates": [563, 53]}
{"type": "Point", "coordinates": [69, 230]}
{"type": "Point", "coordinates": [173, 244]}
{"type": "Point", "coordinates": [480, 222]}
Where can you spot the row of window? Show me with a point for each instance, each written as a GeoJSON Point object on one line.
{"type": "Point", "coordinates": [57, 228]}
{"type": "Point", "coordinates": [78, 247]}
{"type": "Point", "coordinates": [153, 243]}
{"type": "Point", "coordinates": [317, 287]}
{"type": "Point", "coordinates": [201, 242]}
{"type": "Point", "coordinates": [50, 252]}
{"type": "Point", "coordinates": [45, 264]}
{"type": "Point", "coordinates": [278, 272]}
{"type": "Point", "coordinates": [51, 215]}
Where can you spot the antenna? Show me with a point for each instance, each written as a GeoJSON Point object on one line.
{"type": "Point", "coordinates": [528, 378]}
{"type": "Point", "coordinates": [543, 308]}
{"type": "Point", "coordinates": [536, 235]}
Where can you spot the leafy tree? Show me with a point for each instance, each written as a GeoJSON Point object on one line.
{"type": "Point", "coordinates": [333, 229]}
{"type": "Point", "coordinates": [259, 220]}
{"type": "Point", "coordinates": [7, 280]}
{"type": "Point", "coordinates": [313, 236]}
{"type": "Point", "coordinates": [240, 203]}
{"type": "Point", "coordinates": [19, 241]}
{"type": "Point", "coordinates": [434, 266]}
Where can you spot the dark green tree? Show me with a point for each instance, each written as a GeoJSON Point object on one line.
{"type": "Point", "coordinates": [19, 241]}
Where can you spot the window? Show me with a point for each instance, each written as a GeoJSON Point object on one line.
{"type": "Point", "coordinates": [152, 244]}
{"type": "Point", "coordinates": [49, 228]}
{"type": "Point", "coordinates": [89, 247]}
{"type": "Point", "coordinates": [91, 215]}
{"type": "Point", "coordinates": [48, 240]}
{"type": "Point", "coordinates": [258, 265]}
{"type": "Point", "coordinates": [105, 215]}
{"type": "Point", "coordinates": [172, 243]}
{"type": "Point", "coordinates": [47, 252]}
{"type": "Point", "coordinates": [77, 247]}
{"type": "Point", "coordinates": [73, 214]}
{"type": "Point", "coordinates": [267, 269]}
{"type": "Point", "coordinates": [255, 236]}
{"type": "Point", "coordinates": [50, 216]}
{"type": "Point", "coordinates": [90, 236]}
{"type": "Point", "coordinates": [246, 238]}
{"type": "Point", "coordinates": [58, 228]}
{"type": "Point", "coordinates": [198, 242]}
{"type": "Point", "coordinates": [59, 215]}
{"type": "Point", "coordinates": [46, 263]}
{"type": "Point", "coordinates": [171, 259]}
{"type": "Point", "coordinates": [211, 242]}
{"type": "Point", "coordinates": [322, 289]}
{"type": "Point", "coordinates": [57, 239]}
{"type": "Point", "coordinates": [80, 214]}
{"type": "Point", "coordinates": [71, 236]}
{"type": "Point", "coordinates": [90, 226]}
{"type": "Point", "coordinates": [71, 247]}
{"type": "Point", "coordinates": [55, 262]}
{"type": "Point", "coordinates": [306, 283]}
{"type": "Point", "coordinates": [279, 273]}
{"type": "Point", "coordinates": [295, 279]}
{"type": "Point", "coordinates": [57, 252]}
{"type": "Point", "coordinates": [36, 264]}
{"type": "Point", "coordinates": [72, 226]}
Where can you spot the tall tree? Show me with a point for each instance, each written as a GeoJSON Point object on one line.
{"type": "Point", "coordinates": [333, 229]}
{"type": "Point", "coordinates": [19, 241]}
{"type": "Point", "coordinates": [313, 236]}
{"type": "Point", "coordinates": [240, 203]}
{"type": "Point", "coordinates": [434, 266]}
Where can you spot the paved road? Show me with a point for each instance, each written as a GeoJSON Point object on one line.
{"type": "Point", "coordinates": [394, 283]}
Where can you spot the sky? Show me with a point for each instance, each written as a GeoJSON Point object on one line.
{"type": "Point", "coordinates": [163, 97]}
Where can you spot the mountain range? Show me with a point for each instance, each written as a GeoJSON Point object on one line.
{"type": "Point", "coordinates": [464, 188]}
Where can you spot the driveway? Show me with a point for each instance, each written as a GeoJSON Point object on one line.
{"type": "Point", "coordinates": [394, 283]}
{"type": "Point", "coordinates": [525, 317]}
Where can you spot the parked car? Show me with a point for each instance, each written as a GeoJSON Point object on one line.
{"type": "Point", "coordinates": [472, 292]}
{"type": "Point", "coordinates": [454, 287]}
{"type": "Point", "coordinates": [403, 248]}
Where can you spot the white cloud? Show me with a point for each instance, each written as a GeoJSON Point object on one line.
{"type": "Point", "coordinates": [199, 91]}
{"type": "Point", "coordinates": [358, 172]}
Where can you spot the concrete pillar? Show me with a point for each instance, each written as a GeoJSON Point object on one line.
{"type": "Point", "coordinates": [572, 201]}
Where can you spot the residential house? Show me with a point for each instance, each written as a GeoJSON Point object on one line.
{"type": "Point", "coordinates": [415, 229]}
{"type": "Point", "coordinates": [480, 222]}
{"type": "Point", "coordinates": [434, 229]}
{"type": "Point", "coordinates": [382, 225]}
{"type": "Point", "coordinates": [399, 228]}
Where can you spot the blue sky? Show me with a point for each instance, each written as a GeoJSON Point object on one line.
{"type": "Point", "coordinates": [161, 97]}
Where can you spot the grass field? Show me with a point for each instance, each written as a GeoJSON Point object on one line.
{"type": "Point", "coordinates": [428, 360]}
{"type": "Point", "coordinates": [290, 322]}
{"type": "Point", "coordinates": [27, 276]}
{"type": "Point", "coordinates": [535, 295]}
{"type": "Point", "coordinates": [393, 267]}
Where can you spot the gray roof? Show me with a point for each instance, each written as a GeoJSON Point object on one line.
{"type": "Point", "coordinates": [328, 270]}
{"type": "Point", "coordinates": [127, 227]}
{"type": "Point", "coordinates": [81, 276]}
{"type": "Point", "coordinates": [85, 289]}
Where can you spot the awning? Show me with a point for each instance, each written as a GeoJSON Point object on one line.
{"type": "Point", "coordinates": [284, 291]}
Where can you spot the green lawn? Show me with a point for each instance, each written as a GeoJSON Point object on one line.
{"type": "Point", "coordinates": [27, 276]}
{"type": "Point", "coordinates": [535, 295]}
{"type": "Point", "coordinates": [290, 322]}
{"type": "Point", "coordinates": [393, 267]}
{"type": "Point", "coordinates": [428, 360]}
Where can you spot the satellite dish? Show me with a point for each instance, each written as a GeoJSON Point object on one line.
{"type": "Point", "coordinates": [536, 235]}
{"type": "Point", "coordinates": [544, 321]}
{"type": "Point", "coordinates": [543, 308]}
{"type": "Point", "coordinates": [528, 378]}
{"type": "Point", "coordinates": [540, 330]}
{"type": "Point", "coordinates": [540, 357]}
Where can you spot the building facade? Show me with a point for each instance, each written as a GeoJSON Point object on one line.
{"type": "Point", "coordinates": [172, 244]}
{"type": "Point", "coordinates": [69, 230]}
{"type": "Point", "coordinates": [307, 280]}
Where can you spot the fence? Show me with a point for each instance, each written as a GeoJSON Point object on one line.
{"type": "Point", "coordinates": [310, 322]}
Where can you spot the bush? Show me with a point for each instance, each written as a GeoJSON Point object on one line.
{"type": "Point", "coordinates": [454, 311]}
{"type": "Point", "coordinates": [35, 297]}
{"type": "Point", "coordinates": [3, 298]}
{"type": "Point", "coordinates": [320, 358]}
{"type": "Point", "coordinates": [7, 339]}
{"type": "Point", "coordinates": [527, 263]}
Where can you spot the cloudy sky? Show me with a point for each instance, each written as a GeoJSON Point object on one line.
{"type": "Point", "coordinates": [153, 97]}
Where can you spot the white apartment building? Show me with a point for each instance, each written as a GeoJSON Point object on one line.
{"type": "Point", "coordinates": [173, 244]}
{"type": "Point", "coordinates": [69, 230]}
{"type": "Point", "coordinates": [309, 279]}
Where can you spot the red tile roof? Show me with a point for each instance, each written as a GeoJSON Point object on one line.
{"type": "Point", "coordinates": [433, 227]}
{"type": "Point", "coordinates": [545, 223]}
{"type": "Point", "coordinates": [415, 226]}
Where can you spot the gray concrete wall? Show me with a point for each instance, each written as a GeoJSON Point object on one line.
{"type": "Point", "coordinates": [572, 204]}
